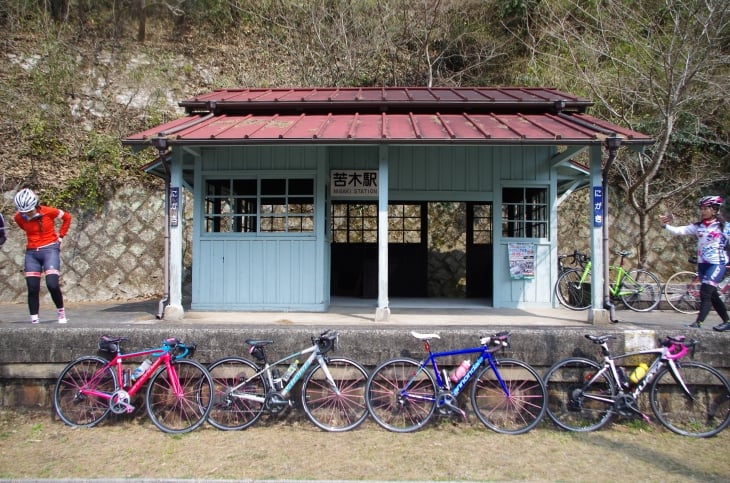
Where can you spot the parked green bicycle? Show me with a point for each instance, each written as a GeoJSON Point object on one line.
{"type": "Point", "coordinates": [639, 290]}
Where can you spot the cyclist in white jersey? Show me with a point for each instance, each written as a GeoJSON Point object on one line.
{"type": "Point", "coordinates": [713, 233]}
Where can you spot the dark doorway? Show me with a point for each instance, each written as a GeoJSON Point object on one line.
{"type": "Point", "coordinates": [354, 267]}
{"type": "Point", "coordinates": [479, 266]}
{"type": "Point", "coordinates": [354, 271]}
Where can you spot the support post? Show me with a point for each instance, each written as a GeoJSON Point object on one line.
{"type": "Point", "coordinates": [382, 313]}
{"type": "Point", "coordinates": [597, 314]}
{"type": "Point", "coordinates": [174, 309]}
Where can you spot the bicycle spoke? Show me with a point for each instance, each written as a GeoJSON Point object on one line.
{"type": "Point", "coordinates": [571, 293]}
{"type": "Point", "coordinates": [395, 409]}
{"type": "Point", "coordinates": [640, 290]}
{"type": "Point", "coordinates": [235, 405]}
{"type": "Point", "coordinates": [682, 292]}
{"type": "Point", "coordinates": [574, 406]}
{"type": "Point", "coordinates": [88, 407]}
{"type": "Point", "coordinates": [180, 411]}
{"type": "Point", "coordinates": [704, 412]}
{"type": "Point", "coordinates": [339, 410]}
{"type": "Point", "coordinates": [516, 410]}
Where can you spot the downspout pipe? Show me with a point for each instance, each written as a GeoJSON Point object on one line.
{"type": "Point", "coordinates": [161, 144]}
{"type": "Point", "coordinates": [613, 142]}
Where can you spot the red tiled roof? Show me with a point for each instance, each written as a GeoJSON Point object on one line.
{"type": "Point", "coordinates": [387, 115]}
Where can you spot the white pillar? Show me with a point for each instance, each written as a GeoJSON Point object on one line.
{"type": "Point", "coordinates": [382, 313]}
{"type": "Point", "coordinates": [597, 314]}
{"type": "Point", "coordinates": [174, 309]}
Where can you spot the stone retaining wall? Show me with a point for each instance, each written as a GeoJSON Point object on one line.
{"type": "Point", "coordinates": [31, 359]}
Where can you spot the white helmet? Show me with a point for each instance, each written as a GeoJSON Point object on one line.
{"type": "Point", "coordinates": [25, 200]}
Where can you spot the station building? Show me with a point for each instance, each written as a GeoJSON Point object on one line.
{"type": "Point", "coordinates": [304, 195]}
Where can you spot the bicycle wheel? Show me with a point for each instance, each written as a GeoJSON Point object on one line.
{"type": "Point", "coordinates": [179, 412]}
{"type": "Point", "coordinates": [682, 292]}
{"type": "Point", "coordinates": [575, 405]}
{"type": "Point", "coordinates": [84, 409]}
{"type": "Point", "coordinates": [236, 407]}
{"type": "Point", "coordinates": [514, 408]}
{"type": "Point", "coordinates": [394, 406]}
{"type": "Point", "coordinates": [571, 293]}
{"type": "Point", "coordinates": [337, 411]}
{"type": "Point", "coordinates": [702, 413]}
{"type": "Point", "coordinates": [640, 290]}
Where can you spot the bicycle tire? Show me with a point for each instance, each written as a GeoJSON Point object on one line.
{"type": "Point", "coordinates": [391, 410]}
{"type": "Point", "coordinates": [645, 290]}
{"type": "Point", "coordinates": [84, 410]}
{"type": "Point", "coordinates": [230, 411]}
{"type": "Point", "coordinates": [331, 411]}
{"type": "Point", "coordinates": [702, 416]}
{"type": "Point", "coordinates": [570, 292]}
{"type": "Point", "coordinates": [682, 292]}
{"type": "Point", "coordinates": [180, 413]}
{"type": "Point", "coordinates": [570, 405]}
{"type": "Point", "coordinates": [515, 411]}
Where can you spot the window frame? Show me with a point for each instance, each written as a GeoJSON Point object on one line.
{"type": "Point", "coordinates": [272, 211]}
{"type": "Point", "coordinates": [531, 219]}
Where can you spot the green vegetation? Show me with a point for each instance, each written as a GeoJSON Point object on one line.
{"type": "Point", "coordinates": [81, 74]}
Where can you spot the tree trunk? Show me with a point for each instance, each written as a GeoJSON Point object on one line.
{"type": "Point", "coordinates": [142, 21]}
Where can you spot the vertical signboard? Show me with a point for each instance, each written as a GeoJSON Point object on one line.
{"type": "Point", "coordinates": [174, 205]}
{"type": "Point", "coordinates": [597, 206]}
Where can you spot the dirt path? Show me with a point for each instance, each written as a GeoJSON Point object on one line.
{"type": "Point", "coordinates": [34, 445]}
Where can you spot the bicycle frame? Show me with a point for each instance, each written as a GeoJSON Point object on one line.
{"type": "Point", "coordinates": [314, 354]}
{"type": "Point", "coordinates": [162, 356]}
{"type": "Point", "coordinates": [664, 356]}
{"type": "Point", "coordinates": [621, 275]}
{"type": "Point", "coordinates": [484, 355]}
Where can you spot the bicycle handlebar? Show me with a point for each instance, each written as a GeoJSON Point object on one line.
{"type": "Point", "coordinates": [327, 341]}
{"type": "Point", "coordinates": [178, 349]}
{"type": "Point", "coordinates": [577, 258]}
{"type": "Point", "coordinates": [499, 340]}
{"type": "Point", "coordinates": [677, 346]}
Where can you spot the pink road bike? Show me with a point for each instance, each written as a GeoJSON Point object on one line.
{"type": "Point", "coordinates": [179, 390]}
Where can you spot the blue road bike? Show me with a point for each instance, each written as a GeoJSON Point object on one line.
{"type": "Point", "coordinates": [507, 395]}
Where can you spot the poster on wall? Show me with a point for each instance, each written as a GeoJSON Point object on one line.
{"type": "Point", "coordinates": [521, 261]}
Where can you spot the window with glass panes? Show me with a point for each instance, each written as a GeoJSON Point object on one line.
{"type": "Point", "coordinates": [259, 205]}
{"type": "Point", "coordinates": [354, 222]}
{"type": "Point", "coordinates": [525, 212]}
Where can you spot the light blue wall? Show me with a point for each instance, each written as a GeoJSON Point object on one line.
{"type": "Point", "coordinates": [256, 272]}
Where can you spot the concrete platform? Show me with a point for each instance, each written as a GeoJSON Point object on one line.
{"type": "Point", "coordinates": [342, 313]}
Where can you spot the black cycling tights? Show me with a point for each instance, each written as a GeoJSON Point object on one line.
{"type": "Point", "coordinates": [710, 298]}
{"type": "Point", "coordinates": [34, 291]}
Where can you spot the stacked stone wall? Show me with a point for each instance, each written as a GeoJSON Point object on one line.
{"type": "Point", "coordinates": [118, 253]}
{"type": "Point", "coordinates": [114, 254]}
{"type": "Point", "coordinates": [667, 254]}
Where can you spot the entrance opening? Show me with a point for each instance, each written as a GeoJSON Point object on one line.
{"type": "Point", "coordinates": [435, 249]}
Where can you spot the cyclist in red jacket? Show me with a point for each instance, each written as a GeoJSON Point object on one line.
{"type": "Point", "coordinates": [43, 249]}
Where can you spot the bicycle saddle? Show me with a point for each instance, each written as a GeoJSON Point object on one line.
{"type": "Point", "coordinates": [599, 339]}
{"type": "Point", "coordinates": [421, 336]}
{"type": "Point", "coordinates": [258, 343]}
